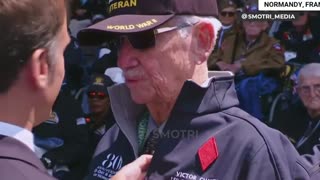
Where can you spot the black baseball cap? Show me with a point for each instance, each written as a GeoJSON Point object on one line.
{"type": "Point", "coordinates": [225, 4]}
{"type": "Point", "coordinates": [100, 83]}
{"type": "Point", "coordinates": [132, 16]}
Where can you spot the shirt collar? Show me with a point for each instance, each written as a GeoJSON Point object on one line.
{"type": "Point", "coordinates": [23, 135]}
{"type": "Point", "coordinates": [226, 27]}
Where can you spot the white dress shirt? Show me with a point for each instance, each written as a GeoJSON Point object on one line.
{"type": "Point", "coordinates": [23, 135]}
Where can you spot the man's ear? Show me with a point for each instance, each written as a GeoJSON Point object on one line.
{"type": "Point", "coordinates": [204, 34]}
{"type": "Point", "coordinates": [39, 68]}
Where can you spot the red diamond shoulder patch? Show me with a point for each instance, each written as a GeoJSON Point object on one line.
{"type": "Point", "coordinates": [208, 153]}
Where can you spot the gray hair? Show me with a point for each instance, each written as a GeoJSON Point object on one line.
{"type": "Point", "coordinates": [52, 49]}
{"type": "Point", "coordinates": [312, 69]}
{"type": "Point", "coordinates": [189, 19]}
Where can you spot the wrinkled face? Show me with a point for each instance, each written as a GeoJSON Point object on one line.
{"type": "Point", "coordinates": [99, 102]}
{"type": "Point", "coordinates": [309, 92]}
{"type": "Point", "coordinates": [228, 16]}
{"type": "Point", "coordinates": [157, 73]}
{"type": "Point", "coordinates": [254, 28]}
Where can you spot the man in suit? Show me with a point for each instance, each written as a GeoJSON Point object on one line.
{"type": "Point", "coordinates": [33, 38]}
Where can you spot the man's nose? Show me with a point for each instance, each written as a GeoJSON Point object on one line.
{"type": "Point", "coordinates": [127, 56]}
{"type": "Point", "coordinates": [312, 92]}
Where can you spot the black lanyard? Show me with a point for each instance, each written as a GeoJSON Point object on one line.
{"type": "Point", "coordinates": [307, 135]}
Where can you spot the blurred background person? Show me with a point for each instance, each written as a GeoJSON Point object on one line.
{"type": "Point", "coordinates": [59, 140]}
{"type": "Point", "coordinates": [100, 117]}
{"type": "Point", "coordinates": [301, 121]}
{"type": "Point", "coordinates": [84, 13]}
{"type": "Point", "coordinates": [300, 39]}
{"type": "Point", "coordinates": [230, 25]}
{"type": "Point", "coordinates": [256, 60]}
{"type": "Point", "coordinates": [228, 19]}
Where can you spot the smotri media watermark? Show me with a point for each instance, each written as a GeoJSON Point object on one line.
{"type": "Point", "coordinates": [262, 16]}
{"type": "Point", "coordinates": [178, 134]}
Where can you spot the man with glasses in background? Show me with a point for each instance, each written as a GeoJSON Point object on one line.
{"type": "Point", "coordinates": [228, 19]}
{"type": "Point", "coordinates": [100, 117]}
{"type": "Point", "coordinates": [171, 108]}
{"type": "Point", "coordinates": [301, 122]}
{"type": "Point", "coordinates": [256, 60]}
{"type": "Point", "coordinates": [230, 26]}
{"type": "Point", "coordinates": [94, 125]}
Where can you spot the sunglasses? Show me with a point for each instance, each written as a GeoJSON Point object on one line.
{"type": "Point", "coordinates": [229, 14]}
{"type": "Point", "coordinates": [97, 95]}
{"type": "Point", "coordinates": [147, 39]}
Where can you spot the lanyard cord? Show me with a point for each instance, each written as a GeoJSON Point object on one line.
{"type": "Point", "coordinates": [307, 135]}
{"type": "Point", "coordinates": [142, 130]}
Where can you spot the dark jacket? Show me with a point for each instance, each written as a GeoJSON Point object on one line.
{"type": "Point", "coordinates": [296, 123]}
{"type": "Point", "coordinates": [306, 44]}
{"type": "Point", "coordinates": [68, 111]}
{"type": "Point", "coordinates": [18, 162]}
{"type": "Point", "coordinates": [89, 134]}
{"type": "Point", "coordinates": [94, 137]}
{"type": "Point", "coordinates": [222, 141]}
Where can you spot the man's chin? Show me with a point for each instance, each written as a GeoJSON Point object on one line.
{"type": "Point", "coordinates": [138, 98]}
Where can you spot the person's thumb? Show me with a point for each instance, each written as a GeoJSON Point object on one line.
{"type": "Point", "coordinates": [143, 162]}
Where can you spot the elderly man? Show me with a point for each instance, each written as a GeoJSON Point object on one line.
{"type": "Point", "coordinates": [301, 121]}
{"type": "Point", "coordinates": [230, 26]}
{"type": "Point", "coordinates": [255, 58]}
{"type": "Point", "coordinates": [228, 18]}
{"type": "Point", "coordinates": [169, 107]}
{"type": "Point", "coordinates": [32, 70]}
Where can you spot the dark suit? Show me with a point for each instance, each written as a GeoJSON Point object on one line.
{"type": "Point", "coordinates": [18, 162]}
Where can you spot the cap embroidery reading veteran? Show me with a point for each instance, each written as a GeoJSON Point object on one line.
{"type": "Point", "coordinates": [131, 16]}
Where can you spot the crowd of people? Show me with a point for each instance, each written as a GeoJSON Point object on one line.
{"type": "Point", "coordinates": [187, 82]}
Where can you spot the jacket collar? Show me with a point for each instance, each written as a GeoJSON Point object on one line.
{"type": "Point", "coordinates": [193, 100]}
{"type": "Point", "coordinates": [13, 149]}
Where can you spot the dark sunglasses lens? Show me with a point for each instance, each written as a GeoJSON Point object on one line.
{"type": "Point", "coordinates": [230, 14]}
{"type": "Point", "coordinates": [91, 94]}
{"type": "Point", "coordinates": [99, 95]}
{"type": "Point", "coordinates": [142, 40]}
